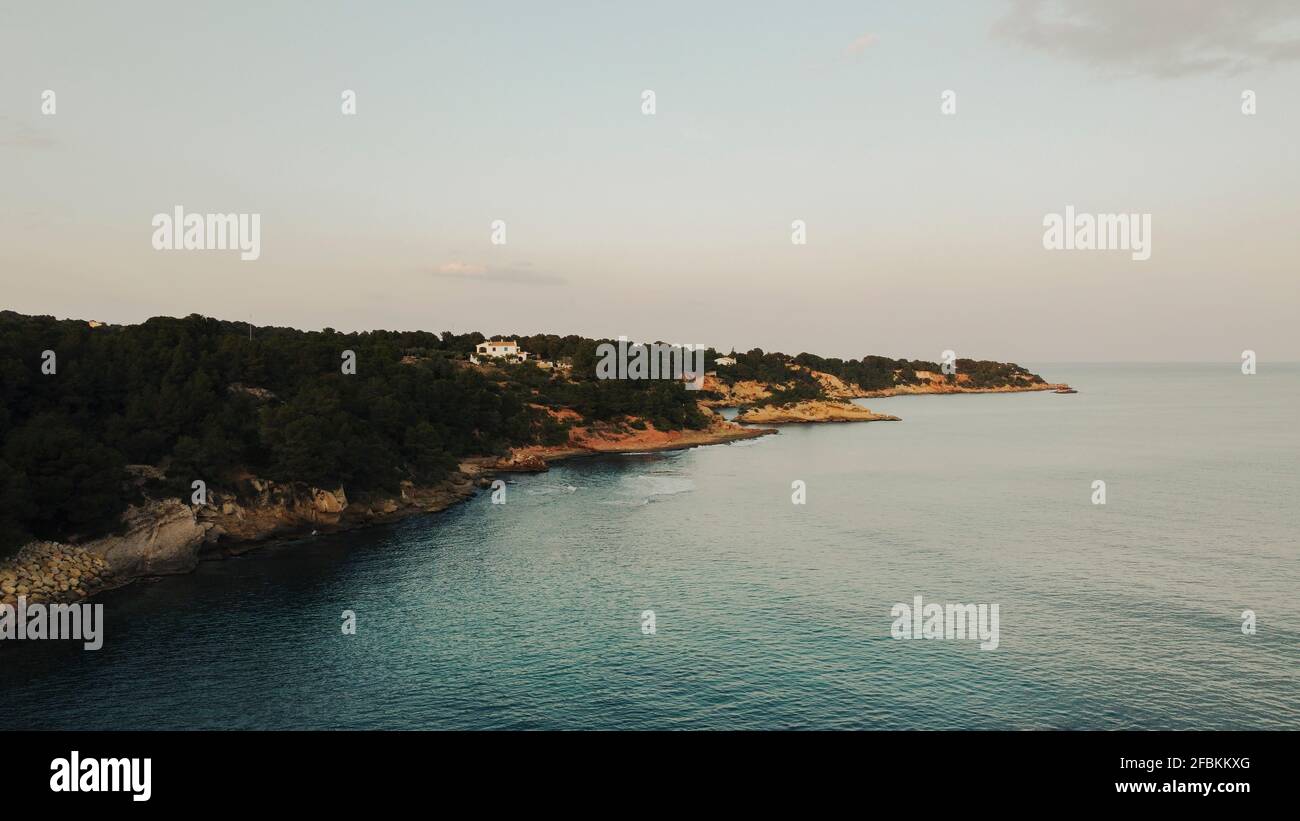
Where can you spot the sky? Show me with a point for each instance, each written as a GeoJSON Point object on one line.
{"type": "Point", "coordinates": [924, 229]}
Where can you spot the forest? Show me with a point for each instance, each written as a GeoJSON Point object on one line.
{"type": "Point", "coordinates": [89, 409]}
{"type": "Point", "coordinates": [203, 398]}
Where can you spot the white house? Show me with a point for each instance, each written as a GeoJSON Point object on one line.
{"type": "Point", "coordinates": [724, 361]}
{"type": "Point", "coordinates": [506, 349]}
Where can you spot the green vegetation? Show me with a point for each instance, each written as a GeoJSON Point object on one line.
{"type": "Point", "coordinates": [770, 368]}
{"type": "Point", "coordinates": [987, 374]}
{"type": "Point", "coordinates": [871, 373]}
{"type": "Point", "coordinates": [198, 399]}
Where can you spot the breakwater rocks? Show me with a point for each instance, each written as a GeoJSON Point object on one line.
{"type": "Point", "coordinates": [52, 572]}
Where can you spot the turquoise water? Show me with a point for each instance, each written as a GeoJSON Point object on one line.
{"type": "Point", "coordinates": [768, 614]}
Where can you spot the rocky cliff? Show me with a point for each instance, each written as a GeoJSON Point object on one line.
{"type": "Point", "coordinates": [165, 537]}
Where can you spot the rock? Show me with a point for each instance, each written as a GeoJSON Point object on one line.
{"type": "Point", "coordinates": [160, 538]}
{"type": "Point", "coordinates": [260, 394]}
{"type": "Point", "coordinates": [329, 502]}
{"type": "Point", "coordinates": [146, 472]}
{"type": "Point", "coordinates": [530, 463]}
{"type": "Point", "coordinates": [815, 410]}
{"type": "Point", "coordinates": [165, 537]}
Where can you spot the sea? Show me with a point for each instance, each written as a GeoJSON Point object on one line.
{"type": "Point", "coordinates": [692, 590]}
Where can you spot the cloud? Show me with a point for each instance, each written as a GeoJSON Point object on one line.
{"type": "Point", "coordinates": [15, 134]}
{"type": "Point", "coordinates": [1159, 38]}
{"type": "Point", "coordinates": [520, 274]}
{"type": "Point", "coordinates": [860, 45]}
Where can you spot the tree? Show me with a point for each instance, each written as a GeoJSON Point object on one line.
{"type": "Point", "coordinates": [15, 509]}
{"type": "Point", "coordinates": [75, 484]}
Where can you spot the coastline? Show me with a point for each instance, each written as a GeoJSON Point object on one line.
{"type": "Point", "coordinates": [536, 458]}
{"type": "Point", "coordinates": [748, 392]}
{"type": "Point", "coordinates": [167, 537]}
{"type": "Point", "coordinates": [945, 389]}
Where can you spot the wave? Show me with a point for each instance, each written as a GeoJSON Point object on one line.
{"type": "Point", "coordinates": [550, 490]}
{"type": "Point", "coordinates": [650, 487]}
